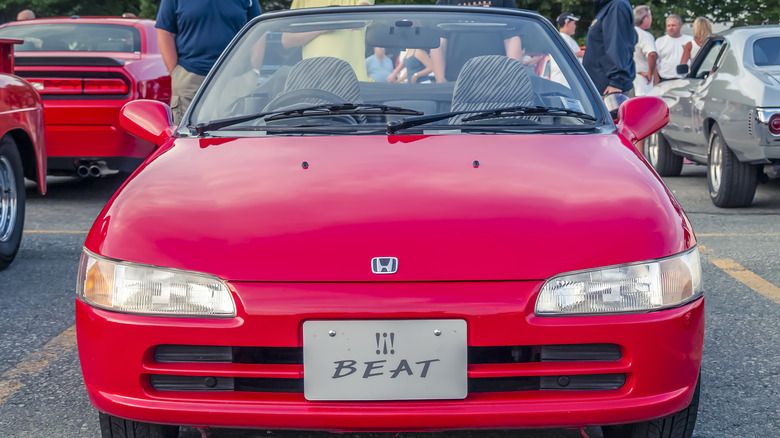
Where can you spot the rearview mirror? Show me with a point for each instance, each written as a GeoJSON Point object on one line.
{"type": "Point", "coordinates": [641, 116]}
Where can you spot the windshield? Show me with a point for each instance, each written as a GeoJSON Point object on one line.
{"type": "Point", "coordinates": [359, 70]}
{"type": "Point", "coordinates": [74, 37]}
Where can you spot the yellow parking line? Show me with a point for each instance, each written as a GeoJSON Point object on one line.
{"type": "Point", "coordinates": [32, 365]}
{"type": "Point", "coordinates": [748, 278]}
{"type": "Point", "coordinates": [55, 232]}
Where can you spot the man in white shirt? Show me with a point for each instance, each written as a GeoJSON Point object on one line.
{"type": "Point", "coordinates": [645, 56]}
{"type": "Point", "coordinates": [670, 48]}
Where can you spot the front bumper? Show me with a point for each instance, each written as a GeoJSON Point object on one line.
{"type": "Point", "coordinates": [511, 385]}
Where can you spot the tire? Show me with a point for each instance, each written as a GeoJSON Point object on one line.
{"type": "Point", "coordinates": [732, 183]}
{"type": "Point", "coordinates": [679, 425]}
{"type": "Point", "coordinates": [660, 155]}
{"type": "Point", "coordinates": [115, 427]}
{"type": "Point", "coordinates": [12, 199]}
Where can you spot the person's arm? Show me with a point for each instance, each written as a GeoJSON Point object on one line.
{"type": "Point", "coordinates": [686, 56]}
{"type": "Point", "coordinates": [298, 39]}
{"type": "Point", "coordinates": [426, 60]}
{"type": "Point", "coordinates": [258, 53]}
{"type": "Point", "coordinates": [619, 39]}
{"type": "Point", "coordinates": [514, 48]}
{"type": "Point", "coordinates": [439, 60]}
{"type": "Point", "coordinates": [167, 43]}
{"type": "Point", "coordinates": [652, 73]}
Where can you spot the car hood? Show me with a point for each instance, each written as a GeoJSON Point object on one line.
{"type": "Point", "coordinates": [458, 207]}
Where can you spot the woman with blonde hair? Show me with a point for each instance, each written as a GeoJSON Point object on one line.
{"type": "Point", "coordinates": [702, 28]}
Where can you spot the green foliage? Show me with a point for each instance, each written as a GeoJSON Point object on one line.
{"type": "Point", "coordinates": [740, 12]}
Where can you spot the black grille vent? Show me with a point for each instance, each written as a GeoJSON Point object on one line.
{"type": "Point", "coordinates": [586, 382]}
{"type": "Point", "coordinates": [477, 355]}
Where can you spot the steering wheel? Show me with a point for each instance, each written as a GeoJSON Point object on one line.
{"type": "Point", "coordinates": [304, 97]}
{"type": "Point", "coordinates": [295, 98]}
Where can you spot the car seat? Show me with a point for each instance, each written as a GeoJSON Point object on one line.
{"type": "Point", "coordinates": [492, 82]}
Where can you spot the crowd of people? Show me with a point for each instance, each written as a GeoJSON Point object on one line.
{"type": "Point", "coordinates": [621, 56]}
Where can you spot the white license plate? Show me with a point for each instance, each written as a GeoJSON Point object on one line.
{"type": "Point", "coordinates": [385, 359]}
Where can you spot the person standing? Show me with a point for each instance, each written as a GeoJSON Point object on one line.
{"type": "Point", "coordinates": [379, 66]}
{"type": "Point", "coordinates": [702, 28]}
{"type": "Point", "coordinates": [191, 35]}
{"type": "Point", "coordinates": [609, 53]}
{"type": "Point", "coordinates": [645, 56]}
{"type": "Point", "coordinates": [567, 26]}
{"type": "Point", "coordinates": [346, 44]}
{"type": "Point", "coordinates": [670, 48]}
{"type": "Point", "coordinates": [453, 52]}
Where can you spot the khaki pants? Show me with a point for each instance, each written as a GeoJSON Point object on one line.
{"type": "Point", "coordinates": [183, 87]}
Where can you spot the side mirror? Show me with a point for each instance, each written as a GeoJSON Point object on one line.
{"type": "Point", "coordinates": [641, 116]}
{"type": "Point", "coordinates": [150, 120]}
{"type": "Point", "coordinates": [683, 69]}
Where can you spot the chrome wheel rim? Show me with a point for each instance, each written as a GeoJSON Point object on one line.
{"type": "Point", "coordinates": [716, 163]}
{"type": "Point", "coordinates": [8, 207]}
{"type": "Point", "coordinates": [651, 149]}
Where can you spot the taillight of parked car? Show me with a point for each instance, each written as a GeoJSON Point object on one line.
{"type": "Point", "coordinates": [155, 89]}
{"type": "Point", "coordinates": [774, 124]}
{"type": "Point", "coordinates": [80, 85]}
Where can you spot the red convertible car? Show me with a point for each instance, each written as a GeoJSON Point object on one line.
{"type": "Point", "coordinates": [22, 150]}
{"type": "Point", "coordinates": [85, 69]}
{"type": "Point", "coordinates": [309, 250]}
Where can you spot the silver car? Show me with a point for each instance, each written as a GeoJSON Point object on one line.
{"type": "Point", "coordinates": [725, 113]}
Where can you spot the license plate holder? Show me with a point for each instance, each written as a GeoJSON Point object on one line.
{"type": "Point", "coordinates": [421, 359]}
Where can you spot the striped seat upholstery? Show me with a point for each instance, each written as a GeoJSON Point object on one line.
{"type": "Point", "coordinates": [490, 82]}
{"type": "Point", "coordinates": [325, 73]}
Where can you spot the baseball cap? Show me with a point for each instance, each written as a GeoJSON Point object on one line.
{"type": "Point", "coordinates": [566, 16]}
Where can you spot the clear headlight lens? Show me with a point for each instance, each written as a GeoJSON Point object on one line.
{"type": "Point", "coordinates": [636, 287]}
{"type": "Point", "coordinates": [150, 290]}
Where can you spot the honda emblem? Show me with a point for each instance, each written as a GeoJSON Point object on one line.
{"type": "Point", "coordinates": [384, 265]}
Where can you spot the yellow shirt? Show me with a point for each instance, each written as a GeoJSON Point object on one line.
{"type": "Point", "coordinates": [346, 44]}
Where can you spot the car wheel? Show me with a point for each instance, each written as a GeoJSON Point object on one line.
{"type": "Point", "coordinates": [12, 197]}
{"type": "Point", "coordinates": [115, 427]}
{"type": "Point", "coordinates": [732, 183]}
{"type": "Point", "coordinates": [679, 425]}
{"type": "Point", "coordinates": [661, 157]}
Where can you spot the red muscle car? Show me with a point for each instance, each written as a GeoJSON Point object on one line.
{"type": "Point", "coordinates": [312, 250]}
{"type": "Point", "coordinates": [22, 150]}
{"type": "Point", "coordinates": [85, 69]}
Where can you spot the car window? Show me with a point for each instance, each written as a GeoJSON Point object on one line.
{"type": "Point", "coordinates": [708, 64]}
{"type": "Point", "coordinates": [74, 37]}
{"type": "Point", "coordinates": [766, 51]}
{"type": "Point", "coordinates": [325, 58]}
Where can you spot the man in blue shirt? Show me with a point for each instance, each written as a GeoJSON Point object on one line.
{"type": "Point", "coordinates": [191, 35]}
{"type": "Point", "coordinates": [609, 47]}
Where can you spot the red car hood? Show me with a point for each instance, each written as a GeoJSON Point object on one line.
{"type": "Point", "coordinates": [534, 206]}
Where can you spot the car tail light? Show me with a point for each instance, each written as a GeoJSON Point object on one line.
{"type": "Point", "coordinates": [155, 89]}
{"type": "Point", "coordinates": [57, 86]}
{"type": "Point", "coordinates": [774, 124]}
{"type": "Point", "coordinates": [80, 85]}
{"type": "Point", "coordinates": [105, 86]}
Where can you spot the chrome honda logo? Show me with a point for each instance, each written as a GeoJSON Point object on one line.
{"type": "Point", "coordinates": [384, 265]}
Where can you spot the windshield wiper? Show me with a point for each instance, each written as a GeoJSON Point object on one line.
{"type": "Point", "coordinates": [328, 109]}
{"type": "Point", "coordinates": [513, 111]}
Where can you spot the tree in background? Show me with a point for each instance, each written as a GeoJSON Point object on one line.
{"type": "Point", "coordinates": [739, 12]}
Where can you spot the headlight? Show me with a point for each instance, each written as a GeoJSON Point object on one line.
{"type": "Point", "coordinates": [636, 287]}
{"type": "Point", "coordinates": [135, 288]}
